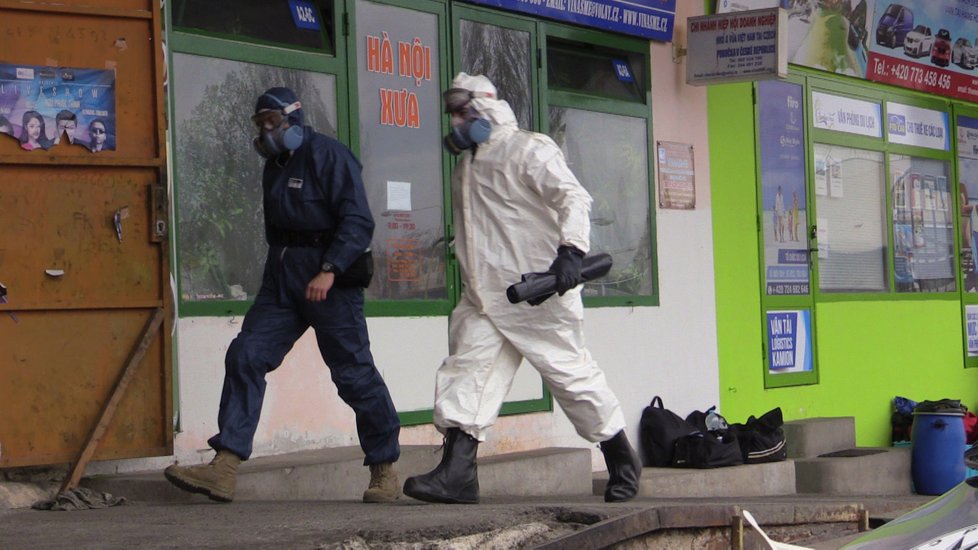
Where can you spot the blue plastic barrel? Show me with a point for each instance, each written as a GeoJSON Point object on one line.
{"type": "Point", "coordinates": [936, 460]}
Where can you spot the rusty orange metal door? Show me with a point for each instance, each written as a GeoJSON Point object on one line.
{"type": "Point", "coordinates": [83, 249]}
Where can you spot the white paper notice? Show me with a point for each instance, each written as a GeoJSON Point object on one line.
{"type": "Point", "coordinates": [399, 195]}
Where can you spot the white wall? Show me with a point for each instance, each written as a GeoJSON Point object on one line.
{"type": "Point", "coordinates": [669, 350]}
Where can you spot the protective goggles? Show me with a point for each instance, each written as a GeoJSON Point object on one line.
{"type": "Point", "coordinates": [457, 99]}
{"type": "Point", "coordinates": [273, 118]}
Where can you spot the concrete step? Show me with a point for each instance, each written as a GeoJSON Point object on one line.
{"type": "Point", "coordinates": [770, 479]}
{"type": "Point", "coordinates": [339, 474]}
{"type": "Point", "coordinates": [857, 471]}
{"type": "Point", "coordinates": [812, 437]}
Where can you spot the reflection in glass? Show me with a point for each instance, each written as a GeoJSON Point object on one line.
{"type": "Point", "coordinates": [849, 214]}
{"type": "Point", "coordinates": [609, 154]}
{"type": "Point", "coordinates": [923, 233]}
{"type": "Point", "coordinates": [220, 225]}
{"type": "Point", "coordinates": [257, 19]}
{"type": "Point", "coordinates": [503, 56]}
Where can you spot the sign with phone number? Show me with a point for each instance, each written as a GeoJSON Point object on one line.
{"type": "Point", "coordinates": [919, 76]}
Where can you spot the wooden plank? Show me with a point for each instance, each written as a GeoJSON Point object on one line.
{"type": "Point", "coordinates": [78, 467]}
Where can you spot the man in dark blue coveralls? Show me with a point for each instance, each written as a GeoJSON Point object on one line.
{"type": "Point", "coordinates": [318, 226]}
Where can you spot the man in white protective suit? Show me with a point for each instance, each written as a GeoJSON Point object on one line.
{"type": "Point", "coordinates": [516, 205]}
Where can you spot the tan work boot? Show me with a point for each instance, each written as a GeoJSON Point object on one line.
{"type": "Point", "coordinates": [384, 486]}
{"type": "Point", "coordinates": [215, 480]}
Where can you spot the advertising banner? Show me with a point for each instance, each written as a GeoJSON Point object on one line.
{"type": "Point", "coordinates": [783, 188]}
{"type": "Point", "coordinates": [971, 329]}
{"type": "Point", "coordinates": [40, 105]}
{"type": "Point", "coordinates": [968, 189]}
{"type": "Point", "coordinates": [917, 126]}
{"type": "Point", "coordinates": [652, 19]}
{"type": "Point", "coordinates": [789, 341]}
{"type": "Point", "coordinates": [926, 45]}
{"type": "Point", "coordinates": [845, 114]}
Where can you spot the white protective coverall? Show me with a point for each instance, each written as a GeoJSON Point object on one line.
{"type": "Point", "coordinates": [515, 201]}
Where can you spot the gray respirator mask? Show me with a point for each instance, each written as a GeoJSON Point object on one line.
{"type": "Point", "coordinates": [474, 130]}
{"type": "Point", "coordinates": [273, 137]}
{"type": "Point", "coordinates": [467, 135]}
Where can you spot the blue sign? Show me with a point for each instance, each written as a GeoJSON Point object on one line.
{"type": "Point", "coordinates": [652, 19]}
{"type": "Point", "coordinates": [304, 14]}
{"type": "Point", "coordinates": [789, 341]}
{"type": "Point", "coordinates": [622, 71]}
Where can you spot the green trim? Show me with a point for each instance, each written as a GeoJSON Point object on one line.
{"type": "Point", "coordinates": [408, 308]}
{"type": "Point", "coordinates": [544, 404]}
{"type": "Point", "coordinates": [209, 46]}
{"type": "Point", "coordinates": [967, 298]}
{"type": "Point", "coordinates": [782, 303]}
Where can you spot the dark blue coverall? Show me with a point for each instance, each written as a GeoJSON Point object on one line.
{"type": "Point", "coordinates": [301, 204]}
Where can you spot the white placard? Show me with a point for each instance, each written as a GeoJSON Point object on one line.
{"type": "Point", "coordinates": [910, 125]}
{"type": "Point", "coordinates": [844, 114]}
{"type": "Point", "coordinates": [399, 195]}
{"type": "Point", "coordinates": [739, 46]}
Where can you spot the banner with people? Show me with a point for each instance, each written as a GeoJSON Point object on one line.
{"type": "Point", "coordinates": [41, 106]}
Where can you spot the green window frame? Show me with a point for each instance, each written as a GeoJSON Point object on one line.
{"type": "Point", "coordinates": [636, 111]}
{"type": "Point", "coordinates": [968, 298]}
{"type": "Point", "coordinates": [890, 153]}
{"type": "Point", "coordinates": [192, 42]}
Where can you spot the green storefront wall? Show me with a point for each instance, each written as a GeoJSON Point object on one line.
{"type": "Point", "coordinates": [867, 351]}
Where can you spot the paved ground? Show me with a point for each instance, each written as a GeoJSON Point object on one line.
{"type": "Point", "coordinates": [494, 523]}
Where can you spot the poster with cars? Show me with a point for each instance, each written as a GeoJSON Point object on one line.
{"type": "Point", "coordinates": [41, 106]}
{"type": "Point", "coordinates": [927, 45]}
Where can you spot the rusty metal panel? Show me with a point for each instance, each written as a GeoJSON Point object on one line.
{"type": "Point", "coordinates": [82, 41]}
{"type": "Point", "coordinates": [53, 389]}
{"type": "Point", "coordinates": [79, 295]}
{"type": "Point", "coordinates": [60, 246]}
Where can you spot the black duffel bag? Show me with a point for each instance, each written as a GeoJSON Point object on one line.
{"type": "Point", "coordinates": [707, 450]}
{"type": "Point", "coordinates": [762, 439]}
{"type": "Point", "coordinates": [659, 429]}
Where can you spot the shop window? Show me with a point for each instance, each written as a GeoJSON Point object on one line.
{"type": "Point", "coordinates": [592, 70]}
{"type": "Point", "coordinates": [923, 231]}
{"type": "Point", "coordinates": [967, 158]}
{"type": "Point", "coordinates": [849, 210]}
{"type": "Point", "coordinates": [609, 155]}
{"type": "Point", "coordinates": [504, 56]}
{"type": "Point", "coordinates": [220, 227]}
{"type": "Point", "coordinates": [302, 23]}
{"type": "Point", "coordinates": [598, 115]}
{"type": "Point", "coordinates": [399, 86]}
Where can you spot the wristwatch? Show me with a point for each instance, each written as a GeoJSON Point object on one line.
{"type": "Point", "coordinates": [328, 268]}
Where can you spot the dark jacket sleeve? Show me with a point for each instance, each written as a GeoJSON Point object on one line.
{"type": "Point", "coordinates": [340, 173]}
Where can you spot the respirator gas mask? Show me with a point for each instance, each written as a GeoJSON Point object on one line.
{"type": "Point", "coordinates": [474, 130]}
{"type": "Point", "coordinates": [273, 138]}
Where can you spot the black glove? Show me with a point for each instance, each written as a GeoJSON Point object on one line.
{"type": "Point", "coordinates": [567, 268]}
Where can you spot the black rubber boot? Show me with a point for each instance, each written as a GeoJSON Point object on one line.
{"type": "Point", "coordinates": [456, 478]}
{"type": "Point", "coordinates": [624, 468]}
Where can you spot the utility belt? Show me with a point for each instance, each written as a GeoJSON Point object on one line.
{"type": "Point", "coordinates": [285, 237]}
{"type": "Point", "coordinates": [359, 274]}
